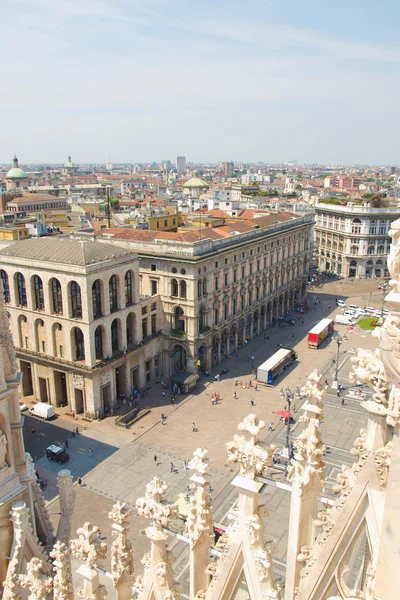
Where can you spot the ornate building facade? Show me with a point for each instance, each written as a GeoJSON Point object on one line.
{"type": "Point", "coordinates": [353, 240]}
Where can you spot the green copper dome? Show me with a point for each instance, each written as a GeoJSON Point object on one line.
{"type": "Point", "coordinates": [69, 164]}
{"type": "Point", "coordinates": [16, 172]}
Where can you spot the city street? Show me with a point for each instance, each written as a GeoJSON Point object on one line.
{"type": "Point", "coordinates": [129, 466]}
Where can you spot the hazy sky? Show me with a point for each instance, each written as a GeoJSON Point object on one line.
{"type": "Point", "coordinates": [141, 80]}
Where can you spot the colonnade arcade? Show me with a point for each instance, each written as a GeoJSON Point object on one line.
{"type": "Point", "coordinates": [222, 341]}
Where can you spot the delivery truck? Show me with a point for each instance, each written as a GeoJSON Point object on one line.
{"type": "Point", "coordinates": [43, 410]}
{"type": "Point", "coordinates": [320, 332]}
{"type": "Point", "coordinates": [271, 368]}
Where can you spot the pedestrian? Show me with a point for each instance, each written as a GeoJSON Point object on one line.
{"type": "Point", "coordinates": [33, 432]}
{"type": "Point", "coordinates": [342, 401]}
{"type": "Point", "coordinates": [250, 384]}
{"type": "Point", "coordinates": [79, 481]}
{"type": "Point", "coordinates": [155, 459]}
{"type": "Point", "coordinates": [252, 402]}
{"type": "Point", "coordinates": [172, 467]}
{"type": "Point", "coordinates": [193, 427]}
{"type": "Point", "coordinates": [234, 395]}
{"type": "Point", "coordinates": [237, 357]}
{"type": "Point", "coordinates": [236, 381]}
{"type": "Point", "coordinates": [256, 387]}
{"type": "Point", "coordinates": [185, 465]}
{"type": "Point", "coordinates": [292, 336]}
{"type": "Point", "coordinates": [163, 394]}
{"type": "Point", "coordinates": [73, 415]}
{"type": "Point", "coordinates": [66, 443]}
{"type": "Point", "coordinates": [270, 427]}
{"type": "Point", "coordinates": [252, 359]}
{"type": "Point", "coordinates": [162, 383]}
{"type": "Point", "coordinates": [77, 431]}
{"type": "Point", "coordinates": [90, 452]}
{"type": "Point", "coordinates": [172, 401]}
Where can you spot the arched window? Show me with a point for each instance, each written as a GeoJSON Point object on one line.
{"type": "Point", "coordinates": [128, 288]}
{"type": "Point", "coordinates": [113, 292]}
{"type": "Point", "coordinates": [38, 290]}
{"type": "Point", "coordinates": [174, 287]}
{"type": "Point", "coordinates": [381, 249]}
{"type": "Point", "coordinates": [21, 290]}
{"type": "Point", "coordinates": [179, 321]}
{"type": "Point", "coordinates": [6, 286]}
{"type": "Point", "coordinates": [76, 301]}
{"type": "Point", "coordinates": [79, 344]}
{"type": "Point", "coordinates": [96, 299]}
{"type": "Point", "coordinates": [56, 297]}
{"type": "Point", "coordinates": [114, 335]}
{"type": "Point", "coordinates": [98, 343]}
{"type": "Point", "coordinates": [371, 250]}
{"type": "Point", "coordinates": [182, 286]}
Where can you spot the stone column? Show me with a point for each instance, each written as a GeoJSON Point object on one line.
{"type": "Point", "coordinates": [89, 549]}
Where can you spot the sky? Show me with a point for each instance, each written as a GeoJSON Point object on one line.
{"type": "Point", "coordinates": [255, 80]}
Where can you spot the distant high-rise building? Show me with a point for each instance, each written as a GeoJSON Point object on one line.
{"type": "Point", "coordinates": [392, 170]}
{"type": "Point", "coordinates": [228, 168]}
{"type": "Point", "coordinates": [181, 164]}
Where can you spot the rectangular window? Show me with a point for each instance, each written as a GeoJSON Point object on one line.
{"type": "Point", "coordinates": [173, 221]}
{"type": "Point", "coordinates": [144, 328]}
{"type": "Point", "coordinates": [251, 268]}
{"type": "Point", "coordinates": [144, 310]}
{"type": "Point", "coordinates": [216, 283]}
{"type": "Point", "coordinates": [216, 265]}
{"type": "Point", "coordinates": [165, 223]}
{"type": "Point", "coordinates": [153, 287]}
{"type": "Point", "coordinates": [243, 272]}
{"type": "Point", "coordinates": [226, 279]}
{"type": "Point", "coordinates": [156, 367]}
{"type": "Point", "coordinates": [148, 370]}
{"type": "Point", "coordinates": [226, 311]}
{"type": "Point", "coordinates": [26, 342]}
{"type": "Point", "coordinates": [43, 346]}
{"type": "Point", "coordinates": [234, 306]}
{"type": "Point", "coordinates": [153, 323]}
{"type": "Point", "coordinates": [154, 306]}
{"type": "Point", "coordinates": [154, 267]}
{"type": "Point", "coordinates": [235, 275]}
{"type": "Point", "coordinates": [61, 352]}
{"type": "Point", "coordinates": [258, 265]}
{"type": "Point", "coordinates": [234, 258]}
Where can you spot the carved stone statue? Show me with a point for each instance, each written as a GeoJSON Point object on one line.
{"type": "Point", "coordinates": [3, 450]}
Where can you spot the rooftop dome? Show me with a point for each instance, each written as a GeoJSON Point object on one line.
{"type": "Point", "coordinates": [16, 172]}
{"type": "Point", "coordinates": [69, 164]}
{"type": "Point", "coordinates": [195, 182]}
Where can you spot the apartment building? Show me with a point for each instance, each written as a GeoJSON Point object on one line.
{"type": "Point", "coordinates": [353, 240]}
{"type": "Point", "coordinates": [83, 334]}
{"type": "Point", "coordinates": [220, 286]}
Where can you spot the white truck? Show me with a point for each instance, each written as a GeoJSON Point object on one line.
{"type": "Point", "coordinates": [345, 320]}
{"type": "Point", "coordinates": [42, 410]}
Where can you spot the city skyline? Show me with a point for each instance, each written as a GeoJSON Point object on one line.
{"type": "Point", "coordinates": [256, 82]}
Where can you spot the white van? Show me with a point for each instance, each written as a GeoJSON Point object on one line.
{"type": "Point", "coordinates": [344, 320]}
{"type": "Point", "coordinates": [353, 307]}
{"type": "Point", "coordinates": [42, 410]}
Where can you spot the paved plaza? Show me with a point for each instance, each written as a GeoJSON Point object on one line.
{"type": "Point", "coordinates": [124, 473]}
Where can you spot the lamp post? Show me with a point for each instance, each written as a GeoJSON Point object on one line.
{"type": "Point", "coordinates": [288, 396]}
{"type": "Point", "coordinates": [338, 341]}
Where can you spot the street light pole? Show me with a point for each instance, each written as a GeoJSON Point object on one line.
{"type": "Point", "coordinates": [338, 341]}
{"type": "Point", "coordinates": [288, 396]}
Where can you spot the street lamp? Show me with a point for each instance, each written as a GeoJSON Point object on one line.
{"type": "Point", "coordinates": [338, 340]}
{"type": "Point", "coordinates": [288, 396]}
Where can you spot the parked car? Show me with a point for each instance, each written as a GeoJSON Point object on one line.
{"type": "Point", "coordinates": [361, 313]}
{"type": "Point", "coordinates": [341, 303]}
{"type": "Point", "coordinates": [354, 307]}
{"type": "Point", "coordinates": [370, 310]}
{"type": "Point", "coordinates": [385, 311]}
{"type": "Point", "coordinates": [350, 313]}
{"type": "Point", "coordinates": [57, 453]}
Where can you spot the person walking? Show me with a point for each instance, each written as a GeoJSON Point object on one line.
{"type": "Point", "coordinates": [66, 443]}
{"type": "Point", "coordinates": [163, 394]}
{"type": "Point", "coordinates": [185, 465]}
{"type": "Point", "coordinates": [79, 481]}
{"type": "Point", "coordinates": [172, 467]}
{"type": "Point", "coordinates": [33, 431]}
{"type": "Point", "coordinates": [193, 427]}
{"type": "Point", "coordinates": [252, 402]}
{"type": "Point", "coordinates": [234, 395]}
{"type": "Point", "coordinates": [342, 401]}
{"type": "Point", "coordinates": [236, 381]}
{"type": "Point", "coordinates": [90, 451]}
{"type": "Point", "coordinates": [237, 357]}
{"type": "Point", "coordinates": [270, 427]}
{"type": "Point", "coordinates": [172, 401]}
{"type": "Point", "coordinates": [155, 460]}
